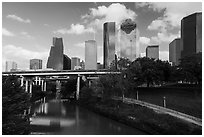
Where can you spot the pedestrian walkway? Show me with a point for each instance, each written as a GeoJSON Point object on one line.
{"type": "Point", "coordinates": [160, 109]}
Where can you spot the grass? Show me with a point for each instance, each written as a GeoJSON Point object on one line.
{"type": "Point", "coordinates": [143, 118]}
{"type": "Point", "coordinates": [186, 100]}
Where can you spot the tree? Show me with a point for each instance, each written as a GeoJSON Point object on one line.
{"type": "Point", "coordinates": [14, 101]}
{"type": "Point", "coordinates": [191, 68]}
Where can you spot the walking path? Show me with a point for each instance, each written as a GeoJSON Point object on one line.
{"type": "Point", "coordinates": [160, 109]}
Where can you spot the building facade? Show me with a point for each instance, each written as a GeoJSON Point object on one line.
{"type": "Point", "coordinates": [66, 63]}
{"type": "Point", "coordinates": [90, 55]}
{"type": "Point", "coordinates": [129, 40]}
{"type": "Point", "coordinates": [55, 59]}
{"type": "Point", "coordinates": [175, 51]}
{"type": "Point", "coordinates": [82, 64]}
{"type": "Point", "coordinates": [11, 66]}
{"type": "Point", "coordinates": [35, 64]}
{"type": "Point", "coordinates": [191, 34]}
{"type": "Point", "coordinates": [75, 63]}
{"type": "Point", "coordinates": [152, 51]}
{"type": "Point", "coordinates": [109, 40]}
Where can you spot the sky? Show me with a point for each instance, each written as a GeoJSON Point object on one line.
{"type": "Point", "coordinates": [28, 28]}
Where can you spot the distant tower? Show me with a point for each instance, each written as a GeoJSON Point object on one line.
{"type": "Point", "coordinates": [90, 55]}
{"type": "Point", "coordinates": [82, 64]}
{"type": "Point", "coordinates": [66, 63]}
{"type": "Point", "coordinates": [175, 51]}
{"type": "Point", "coordinates": [152, 51]}
{"type": "Point", "coordinates": [109, 43]}
{"type": "Point", "coordinates": [129, 40]}
{"type": "Point", "coordinates": [11, 66]}
{"type": "Point", "coordinates": [191, 34]}
{"type": "Point", "coordinates": [35, 64]}
{"type": "Point", "coordinates": [75, 63]}
{"type": "Point", "coordinates": [55, 60]}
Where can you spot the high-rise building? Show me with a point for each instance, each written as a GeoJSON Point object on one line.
{"type": "Point", "coordinates": [75, 63]}
{"type": "Point", "coordinates": [191, 34]}
{"type": "Point", "coordinates": [129, 40]}
{"type": "Point", "coordinates": [152, 51]}
{"type": "Point", "coordinates": [109, 43]}
{"type": "Point", "coordinates": [55, 60]}
{"type": "Point", "coordinates": [82, 64]}
{"type": "Point", "coordinates": [90, 55]}
{"type": "Point", "coordinates": [35, 64]}
{"type": "Point", "coordinates": [66, 63]}
{"type": "Point", "coordinates": [175, 51]}
{"type": "Point", "coordinates": [11, 66]}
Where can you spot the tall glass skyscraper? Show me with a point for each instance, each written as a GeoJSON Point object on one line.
{"type": "Point", "coordinates": [109, 43]}
{"type": "Point", "coordinates": [55, 60]}
{"type": "Point", "coordinates": [175, 51]}
{"type": "Point", "coordinates": [129, 40]}
{"type": "Point", "coordinates": [90, 55]}
{"type": "Point", "coordinates": [191, 34]}
{"type": "Point", "coordinates": [35, 64]}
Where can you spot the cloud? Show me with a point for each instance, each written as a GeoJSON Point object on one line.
{"type": "Point", "coordinates": [144, 40]}
{"type": "Point", "coordinates": [173, 12]}
{"type": "Point", "coordinates": [164, 37]}
{"type": "Point", "coordinates": [22, 56]}
{"type": "Point", "coordinates": [75, 29]}
{"type": "Point", "coordinates": [19, 19]}
{"type": "Point", "coordinates": [81, 45]}
{"type": "Point", "coordinates": [5, 32]}
{"type": "Point", "coordinates": [26, 35]}
{"type": "Point", "coordinates": [115, 12]}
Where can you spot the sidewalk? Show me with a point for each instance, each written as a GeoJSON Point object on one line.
{"type": "Point", "coordinates": [160, 109]}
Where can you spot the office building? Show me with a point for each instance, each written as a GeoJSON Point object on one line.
{"type": "Point", "coordinates": [66, 63]}
{"type": "Point", "coordinates": [129, 40]}
{"type": "Point", "coordinates": [11, 66]}
{"type": "Point", "coordinates": [90, 55]}
{"type": "Point", "coordinates": [99, 66]}
{"type": "Point", "coordinates": [175, 51]}
{"type": "Point", "coordinates": [108, 43]}
{"type": "Point", "coordinates": [55, 59]}
{"type": "Point", "coordinates": [82, 64]}
{"type": "Point", "coordinates": [75, 63]}
{"type": "Point", "coordinates": [191, 34]}
{"type": "Point", "coordinates": [35, 64]}
{"type": "Point", "coordinates": [152, 51]}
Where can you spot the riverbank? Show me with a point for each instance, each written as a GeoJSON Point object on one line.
{"type": "Point", "coordinates": [141, 118]}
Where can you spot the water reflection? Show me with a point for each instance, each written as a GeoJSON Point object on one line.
{"type": "Point", "coordinates": [57, 117]}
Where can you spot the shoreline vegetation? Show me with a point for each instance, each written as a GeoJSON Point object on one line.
{"type": "Point", "coordinates": [142, 118]}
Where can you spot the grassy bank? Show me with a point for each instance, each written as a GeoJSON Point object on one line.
{"type": "Point", "coordinates": [141, 118]}
{"type": "Point", "coordinates": [184, 99]}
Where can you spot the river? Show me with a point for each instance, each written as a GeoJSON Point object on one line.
{"type": "Point", "coordinates": [64, 118]}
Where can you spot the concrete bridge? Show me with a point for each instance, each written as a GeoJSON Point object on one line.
{"type": "Point", "coordinates": [41, 77]}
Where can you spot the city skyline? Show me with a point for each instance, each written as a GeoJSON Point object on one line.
{"type": "Point", "coordinates": [28, 28]}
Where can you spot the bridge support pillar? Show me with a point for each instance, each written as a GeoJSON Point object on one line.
{"type": "Point", "coordinates": [22, 80]}
{"type": "Point", "coordinates": [39, 81]}
{"type": "Point", "coordinates": [42, 85]}
{"type": "Point", "coordinates": [30, 87]}
{"type": "Point", "coordinates": [26, 87]}
{"type": "Point", "coordinates": [36, 80]}
{"type": "Point", "coordinates": [78, 87]}
{"type": "Point", "coordinates": [45, 86]}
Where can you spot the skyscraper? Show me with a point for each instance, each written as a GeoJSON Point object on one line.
{"type": "Point", "coordinates": [82, 64]}
{"type": "Point", "coordinates": [11, 66]}
{"type": "Point", "coordinates": [75, 63]}
{"type": "Point", "coordinates": [191, 34]}
{"type": "Point", "coordinates": [66, 63]}
{"type": "Point", "coordinates": [109, 43]}
{"type": "Point", "coordinates": [175, 51]}
{"type": "Point", "coordinates": [152, 51]}
{"type": "Point", "coordinates": [90, 55]}
{"type": "Point", "coordinates": [55, 60]}
{"type": "Point", "coordinates": [129, 40]}
{"type": "Point", "coordinates": [35, 64]}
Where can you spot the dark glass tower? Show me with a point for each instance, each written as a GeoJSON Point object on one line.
{"type": "Point", "coordinates": [66, 63]}
{"type": "Point", "coordinates": [109, 43]}
{"type": "Point", "coordinates": [191, 34]}
{"type": "Point", "coordinates": [55, 60]}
